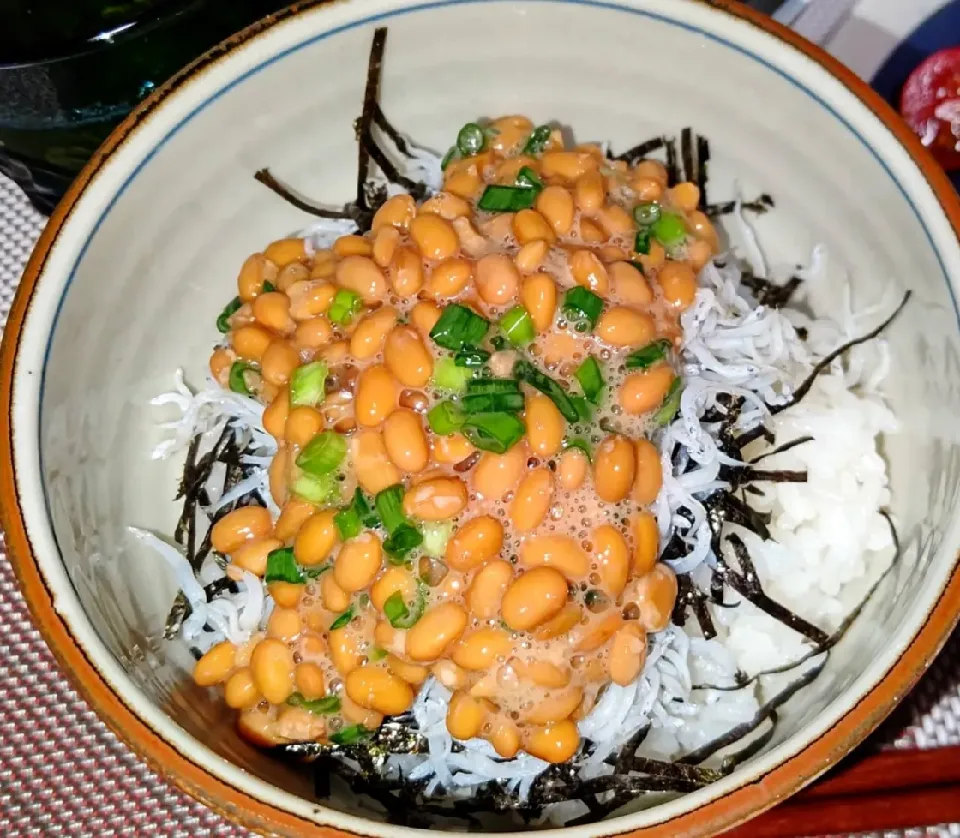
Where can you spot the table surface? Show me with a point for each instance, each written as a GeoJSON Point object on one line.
{"type": "Point", "coordinates": [63, 773]}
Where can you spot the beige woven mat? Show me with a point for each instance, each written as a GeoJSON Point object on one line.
{"type": "Point", "coordinates": [62, 773]}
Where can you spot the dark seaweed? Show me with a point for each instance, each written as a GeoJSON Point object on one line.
{"type": "Point", "coordinates": [688, 155]}
{"type": "Point", "coordinates": [760, 206]}
{"type": "Point", "coordinates": [703, 158]}
{"type": "Point", "coordinates": [644, 149]}
{"type": "Point", "coordinates": [769, 293]}
{"type": "Point", "coordinates": [825, 363]}
{"type": "Point", "coordinates": [673, 171]}
{"type": "Point", "coordinates": [369, 195]}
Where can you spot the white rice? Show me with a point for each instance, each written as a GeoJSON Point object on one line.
{"type": "Point", "coordinates": [827, 531]}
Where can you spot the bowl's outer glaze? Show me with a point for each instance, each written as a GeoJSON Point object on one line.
{"type": "Point", "coordinates": [136, 263]}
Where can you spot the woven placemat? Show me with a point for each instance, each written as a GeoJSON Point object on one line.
{"type": "Point", "coordinates": [62, 773]}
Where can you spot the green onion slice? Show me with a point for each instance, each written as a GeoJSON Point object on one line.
{"type": "Point", "coordinates": [282, 567]}
{"type": "Point", "coordinates": [671, 404]}
{"type": "Point", "coordinates": [323, 454]}
{"type": "Point", "coordinates": [448, 158]}
{"type": "Point", "coordinates": [405, 538]}
{"type": "Point", "coordinates": [669, 229]}
{"type": "Point", "coordinates": [471, 139]}
{"type": "Point", "coordinates": [458, 327]}
{"type": "Point", "coordinates": [518, 327]}
{"type": "Point", "coordinates": [345, 304]}
{"type": "Point", "coordinates": [496, 432]}
{"type": "Point", "coordinates": [497, 198]}
{"type": "Point", "coordinates": [231, 308]}
{"type": "Point", "coordinates": [471, 358]}
{"type": "Point", "coordinates": [582, 406]}
{"type": "Point", "coordinates": [350, 735]}
{"type": "Point", "coordinates": [537, 140]}
{"type": "Point", "coordinates": [450, 376]}
{"type": "Point", "coordinates": [490, 386]}
{"type": "Point", "coordinates": [445, 418]}
{"type": "Point", "coordinates": [639, 267]}
{"type": "Point", "coordinates": [352, 519]}
{"type": "Point", "coordinates": [582, 304]}
{"type": "Point", "coordinates": [319, 706]}
{"type": "Point", "coordinates": [377, 654]}
{"type": "Point", "coordinates": [343, 619]}
{"type": "Point", "coordinates": [307, 384]}
{"type": "Point", "coordinates": [646, 213]}
{"type": "Point", "coordinates": [581, 444]}
{"type": "Point", "coordinates": [641, 243]}
{"type": "Point", "coordinates": [648, 355]}
{"type": "Point", "coordinates": [591, 379]}
{"type": "Point", "coordinates": [399, 614]}
{"type": "Point", "coordinates": [318, 489]}
{"type": "Point", "coordinates": [492, 403]}
{"type": "Point", "coordinates": [239, 379]}
{"type": "Point", "coordinates": [389, 504]}
{"type": "Point", "coordinates": [436, 534]}
{"type": "Point", "coordinates": [526, 371]}
{"type": "Point", "coordinates": [529, 179]}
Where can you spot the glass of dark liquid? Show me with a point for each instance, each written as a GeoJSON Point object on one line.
{"type": "Point", "coordinates": [70, 70]}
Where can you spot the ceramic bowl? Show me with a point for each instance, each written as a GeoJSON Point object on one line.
{"type": "Point", "coordinates": [134, 266]}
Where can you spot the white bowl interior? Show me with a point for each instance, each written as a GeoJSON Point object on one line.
{"type": "Point", "coordinates": [150, 254]}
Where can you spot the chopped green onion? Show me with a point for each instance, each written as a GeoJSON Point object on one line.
{"type": "Point", "coordinates": [537, 140]}
{"type": "Point", "coordinates": [238, 377]}
{"type": "Point", "coordinates": [377, 654]}
{"type": "Point", "coordinates": [307, 384]}
{"type": "Point", "coordinates": [499, 343]}
{"type": "Point", "coordinates": [231, 308]}
{"type": "Point", "coordinates": [397, 612]}
{"type": "Point", "coordinates": [581, 444]}
{"type": "Point", "coordinates": [319, 706]}
{"type": "Point", "coordinates": [641, 243]}
{"type": "Point", "coordinates": [525, 371]}
{"type": "Point", "coordinates": [517, 325]}
{"type": "Point", "coordinates": [350, 735]}
{"type": "Point", "coordinates": [646, 213]}
{"type": "Point", "coordinates": [471, 358]}
{"type": "Point", "coordinates": [458, 327]}
{"type": "Point", "coordinates": [497, 198]}
{"type": "Point", "coordinates": [582, 304]}
{"type": "Point", "coordinates": [342, 620]}
{"type": "Point", "coordinates": [639, 267]}
{"type": "Point", "coordinates": [471, 139]}
{"type": "Point", "coordinates": [345, 304]}
{"type": "Point", "coordinates": [445, 418]}
{"type": "Point", "coordinates": [282, 567]}
{"type": "Point", "coordinates": [529, 179]}
{"type": "Point", "coordinates": [436, 534]}
{"type": "Point", "coordinates": [451, 376]}
{"type": "Point", "coordinates": [353, 518]}
{"type": "Point", "coordinates": [448, 157]}
{"type": "Point", "coordinates": [648, 355]}
{"type": "Point", "coordinates": [492, 403]}
{"type": "Point", "coordinates": [395, 608]}
{"type": "Point", "coordinates": [405, 538]}
{"type": "Point", "coordinates": [323, 454]}
{"type": "Point", "coordinates": [268, 287]}
{"type": "Point", "coordinates": [669, 230]}
{"type": "Point", "coordinates": [582, 406]}
{"type": "Point", "coordinates": [491, 386]}
{"type": "Point", "coordinates": [671, 404]}
{"type": "Point", "coordinates": [318, 489]}
{"type": "Point", "coordinates": [591, 379]}
{"type": "Point", "coordinates": [496, 432]}
{"type": "Point", "coordinates": [316, 572]}
{"type": "Point", "coordinates": [389, 504]}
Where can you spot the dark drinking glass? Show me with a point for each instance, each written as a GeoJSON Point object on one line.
{"type": "Point", "coordinates": [70, 70]}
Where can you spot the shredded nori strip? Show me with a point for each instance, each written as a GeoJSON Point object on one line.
{"type": "Point", "coordinates": [760, 206]}
{"type": "Point", "coordinates": [644, 149]}
{"type": "Point", "coordinates": [703, 158]}
{"type": "Point", "coordinates": [673, 172]}
{"type": "Point", "coordinates": [370, 95]}
{"type": "Point", "coordinates": [793, 443]}
{"type": "Point", "coordinates": [688, 156]}
{"type": "Point", "coordinates": [769, 293]}
{"type": "Point", "coordinates": [823, 364]}
{"type": "Point", "coordinates": [265, 177]}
